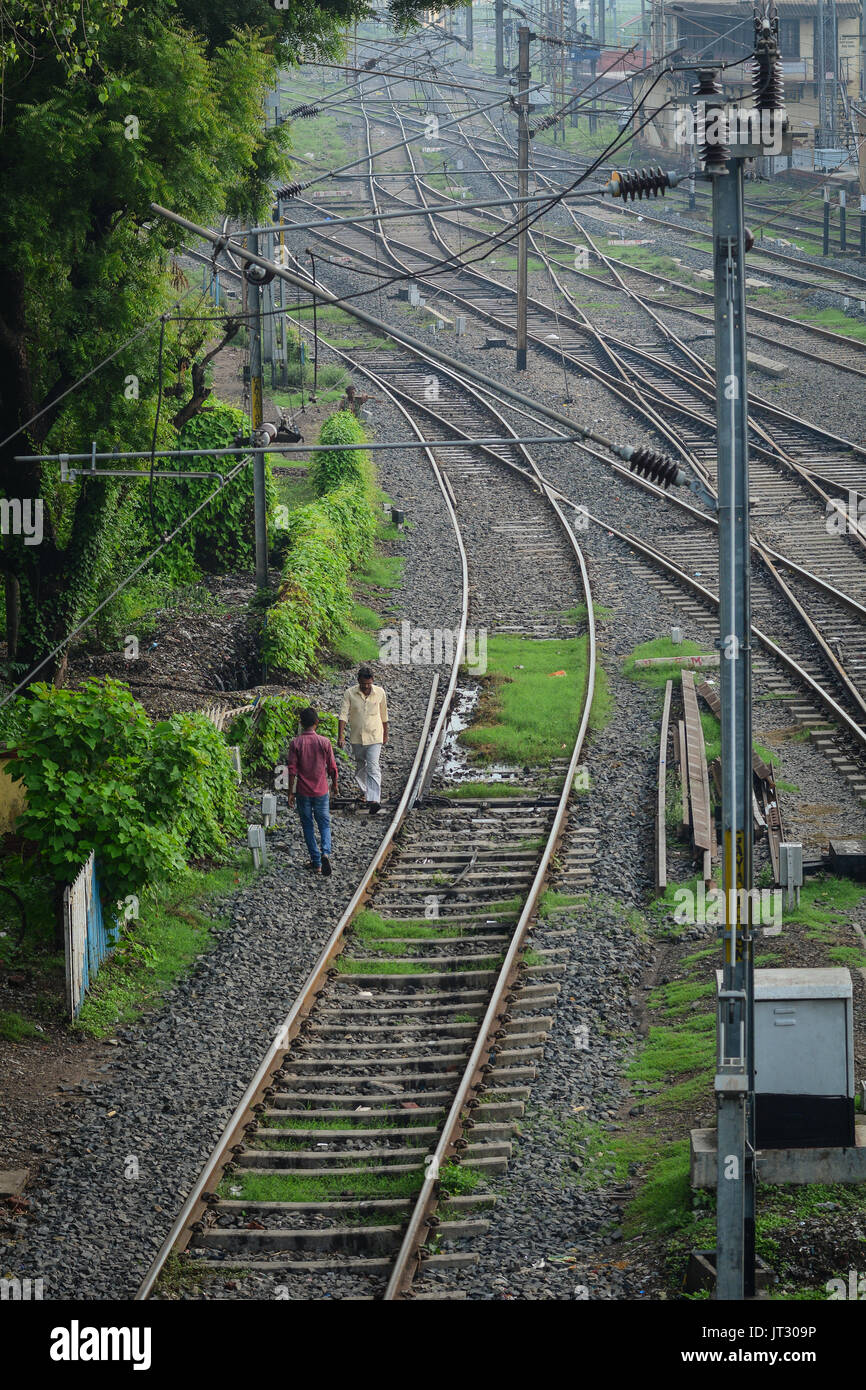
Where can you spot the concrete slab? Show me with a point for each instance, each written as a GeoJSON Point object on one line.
{"type": "Point", "coordinates": [12, 1181]}
{"type": "Point", "coordinates": [799, 1166]}
{"type": "Point", "coordinates": [765, 364]}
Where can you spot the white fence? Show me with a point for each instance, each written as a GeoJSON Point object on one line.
{"type": "Point", "coordinates": [87, 940]}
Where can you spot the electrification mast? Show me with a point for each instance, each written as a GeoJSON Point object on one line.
{"type": "Point", "coordinates": [724, 152]}
{"type": "Point", "coordinates": [523, 37]}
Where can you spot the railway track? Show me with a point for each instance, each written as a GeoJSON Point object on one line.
{"type": "Point", "coordinates": [359, 1154]}
{"type": "Point", "coordinates": [674, 389]}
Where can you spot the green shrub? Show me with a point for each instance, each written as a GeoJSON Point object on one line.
{"type": "Point", "coordinates": [100, 776]}
{"type": "Point", "coordinates": [336, 468]}
{"type": "Point", "coordinates": [264, 736]}
{"type": "Point", "coordinates": [326, 540]}
{"type": "Point", "coordinates": [220, 539]}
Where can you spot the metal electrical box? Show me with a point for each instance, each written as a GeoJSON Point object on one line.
{"type": "Point", "coordinates": [804, 1059]}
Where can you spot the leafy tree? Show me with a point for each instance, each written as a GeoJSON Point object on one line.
{"type": "Point", "coordinates": [107, 106]}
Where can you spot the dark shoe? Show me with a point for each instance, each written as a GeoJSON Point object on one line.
{"type": "Point", "coordinates": [374, 807]}
{"type": "Point", "coordinates": [313, 868]}
{"type": "Point", "coordinates": [326, 866]}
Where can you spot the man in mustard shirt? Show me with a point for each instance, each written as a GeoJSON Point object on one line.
{"type": "Point", "coordinates": [365, 711]}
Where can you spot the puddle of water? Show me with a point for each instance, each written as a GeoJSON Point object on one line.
{"type": "Point", "coordinates": [454, 765]}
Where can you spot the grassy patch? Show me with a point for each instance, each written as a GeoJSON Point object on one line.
{"type": "Point", "coordinates": [173, 929]}
{"type": "Point", "coordinates": [359, 1182]}
{"type": "Point", "coordinates": [471, 790]}
{"type": "Point", "coordinates": [677, 997]}
{"type": "Point", "coordinates": [657, 675]}
{"type": "Point", "coordinates": [835, 320]}
{"type": "Point", "coordinates": [354, 966]}
{"type": "Point", "coordinates": [383, 572]}
{"type": "Point", "coordinates": [675, 1052]}
{"type": "Point", "coordinates": [531, 700]}
{"type": "Point", "coordinates": [825, 903]}
{"type": "Point", "coordinates": [551, 901]}
{"type": "Point", "coordinates": [13, 1027]}
{"type": "Point", "coordinates": [369, 926]}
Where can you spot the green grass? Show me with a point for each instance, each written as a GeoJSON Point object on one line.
{"type": "Point", "coordinates": [174, 928]}
{"type": "Point", "coordinates": [642, 258]}
{"type": "Point", "coordinates": [677, 997]}
{"type": "Point", "coordinates": [293, 400]}
{"type": "Point", "coordinates": [675, 1052]}
{"type": "Point", "coordinates": [527, 714]}
{"type": "Point", "coordinates": [296, 1187]}
{"type": "Point", "coordinates": [552, 901]}
{"type": "Point", "coordinates": [663, 1201]}
{"type": "Point", "coordinates": [825, 902]}
{"type": "Point", "coordinates": [657, 675]}
{"type": "Point", "coordinates": [712, 735]}
{"type": "Point", "coordinates": [383, 572]}
{"type": "Point", "coordinates": [369, 926]}
{"type": "Point", "coordinates": [293, 492]}
{"type": "Point", "coordinates": [14, 1028]}
{"type": "Point", "coordinates": [360, 1182]}
{"type": "Point", "coordinates": [471, 790]}
{"type": "Point", "coordinates": [836, 320]}
{"type": "Point", "coordinates": [606, 1157]}
{"type": "Point", "coordinates": [354, 966]}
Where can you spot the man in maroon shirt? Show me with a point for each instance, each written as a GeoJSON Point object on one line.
{"type": "Point", "coordinates": [311, 763]}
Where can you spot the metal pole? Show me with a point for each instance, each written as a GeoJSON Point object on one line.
{"type": "Point", "coordinates": [842, 219]}
{"type": "Point", "coordinates": [470, 31]}
{"type": "Point", "coordinates": [735, 1070]}
{"type": "Point", "coordinates": [254, 296]}
{"type": "Point", "coordinates": [522, 189]}
{"type": "Point", "coordinates": [499, 15]}
{"type": "Point", "coordinates": [268, 316]}
{"type": "Point", "coordinates": [863, 224]}
{"type": "Point", "coordinates": [821, 74]}
{"type": "Point", "coordinates": [826, 247]}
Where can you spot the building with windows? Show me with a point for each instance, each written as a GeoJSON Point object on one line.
{"type": "Point", "coordinates": [822, 61]}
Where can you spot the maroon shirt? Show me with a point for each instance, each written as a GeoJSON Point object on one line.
{"type": "Point", "coordinates": [311, 758]}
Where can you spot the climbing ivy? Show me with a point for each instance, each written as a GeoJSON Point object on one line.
{"type": "Point", "coordinates": [326, 540]}
{"type": "Point", "coordinates": [220, 540]}
{"type": "Point", "coordinates": [264, 735]}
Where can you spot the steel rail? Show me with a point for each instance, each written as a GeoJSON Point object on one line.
{"type": "Point", "coordinates": [479, 1065]}
{"type": "Point", "coordinates": [195, 1205]}
{"type": "Point", "coordinates": [774, 411]}
{"type": "Point", "coordinates": [817, 330]}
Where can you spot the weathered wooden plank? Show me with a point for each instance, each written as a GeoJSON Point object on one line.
{"type": "Point", "coordinates": [661, 804]}
{"type": "Point", "coordinates": [696, 757]}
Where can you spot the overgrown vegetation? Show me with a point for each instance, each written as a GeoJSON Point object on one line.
{"type": "Point", "coordinates": [101, 776]}
{"type": "Point", "coordinates": [532, 696]}
{"type": "Point", "coordinates": [327, 540]}
{"type": "Point", "coordinates": [263, 735]}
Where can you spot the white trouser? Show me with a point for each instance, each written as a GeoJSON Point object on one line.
{"type": "Point", "coordinates": [367, 773]}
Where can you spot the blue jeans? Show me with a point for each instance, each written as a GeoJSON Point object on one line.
{"type": "Point", "coordinates": [318, 806]}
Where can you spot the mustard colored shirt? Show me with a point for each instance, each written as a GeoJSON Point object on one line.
{"type": "Point", "coordinates": [364, 715]}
